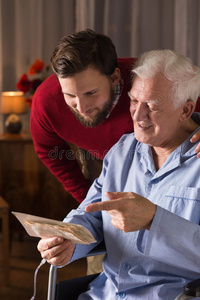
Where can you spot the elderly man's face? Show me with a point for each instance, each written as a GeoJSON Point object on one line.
{"type": "Point", "coordinates": [90, 95]}
{"type": "Point", "coordinates": [156, 122]}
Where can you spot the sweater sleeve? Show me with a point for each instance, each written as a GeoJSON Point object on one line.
{"type": "Point", "coordinates": [55, 152]}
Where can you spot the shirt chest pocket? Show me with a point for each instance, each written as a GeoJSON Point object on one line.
{"type": "Point", "coordinates": [183, 201]}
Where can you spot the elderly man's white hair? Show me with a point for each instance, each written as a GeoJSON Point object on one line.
{"type": "Point", "coordinates": [177, 68]}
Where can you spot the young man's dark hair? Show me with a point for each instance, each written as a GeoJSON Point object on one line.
{"type": "Point", "coordinates": [76, 52]}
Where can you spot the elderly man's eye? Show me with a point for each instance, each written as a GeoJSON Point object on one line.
{"type": "Point", "coordinates": [152, 107]}
{"type": "Point", "coordinates": [133, 101]}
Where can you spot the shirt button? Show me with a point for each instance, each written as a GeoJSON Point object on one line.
{"type": "Point", "coordinates": [122, 295]}
{"type": "Point", "coordinates": [126, 266]}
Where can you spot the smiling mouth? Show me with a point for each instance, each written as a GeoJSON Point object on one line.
{"type": "Point", "coordinates": [144, 126]}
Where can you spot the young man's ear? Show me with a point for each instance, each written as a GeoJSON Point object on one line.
{"type": "Point", "coordinates": [115, 77]}
{"type": "Point", "coordinates": [188, 109]}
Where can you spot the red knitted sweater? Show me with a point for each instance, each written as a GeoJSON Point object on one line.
{"type": "Point", "coordinates": [53, 124]}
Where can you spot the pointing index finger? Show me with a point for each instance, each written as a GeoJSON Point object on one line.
{"type": "Point", "coordinates": [105, 205]}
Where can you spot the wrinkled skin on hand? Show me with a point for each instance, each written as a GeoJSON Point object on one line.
{"type": "Point", "coordinates": [56, 250]}
{"type": "Point", "coordinates": [128, 211]}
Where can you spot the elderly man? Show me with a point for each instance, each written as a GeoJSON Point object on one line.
{"type": "Point", "coordinates": [146, 202]}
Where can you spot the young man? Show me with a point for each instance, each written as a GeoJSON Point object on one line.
{"type": "Point", "coordinates": [85, 103]}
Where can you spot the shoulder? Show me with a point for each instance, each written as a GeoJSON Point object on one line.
{"type": "Point", "coordinates": [127, 139]}
{"type": "Point", "coordinates": [50, 86]}
{"type": "Point", "coordinates": [126, 145]}
{"type": "Point", "coordinates": [48, 94]}
{"type": "Point", "coordinates": [126, 64]}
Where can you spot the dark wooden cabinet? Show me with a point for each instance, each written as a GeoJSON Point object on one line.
{"type": "Point", "coordinates": [26, 184]}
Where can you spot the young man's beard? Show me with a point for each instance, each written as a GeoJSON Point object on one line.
{"type": "Point", "coordinates": [99, 117]}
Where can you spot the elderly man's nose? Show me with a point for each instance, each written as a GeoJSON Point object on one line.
{"type": "Point", "coordinates": [140, 113]}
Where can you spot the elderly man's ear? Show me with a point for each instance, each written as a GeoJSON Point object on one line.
{"type": "Point", "coordinates": [188, 110]}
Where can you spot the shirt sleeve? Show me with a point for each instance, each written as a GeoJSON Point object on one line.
{"type": "Point", "coordinates": [92, 221]}
{"type": "Point", "coordinates": [172, 240]}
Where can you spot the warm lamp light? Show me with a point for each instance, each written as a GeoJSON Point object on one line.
{"type": "Point", "coordinates": [13, 102]}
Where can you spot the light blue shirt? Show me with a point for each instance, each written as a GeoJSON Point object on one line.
{"type": "Point", "coordinates": [153, 264]}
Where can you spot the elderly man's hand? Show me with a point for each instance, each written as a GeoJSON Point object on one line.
{"type": "Point", "coordinates": [194, 139]}
{"type": "Point", "coordinates": [56, 250]}
{"type": "Point", "coordinates": [128, 211]}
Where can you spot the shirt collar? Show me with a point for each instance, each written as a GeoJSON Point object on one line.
{"type": "Point", "coordinates": [117, 94]}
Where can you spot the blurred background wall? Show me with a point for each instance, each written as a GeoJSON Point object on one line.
{"type": "Point", "coordinates": [31, 29]}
